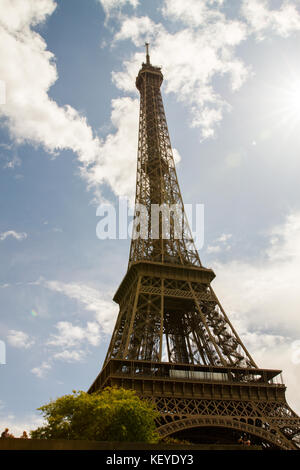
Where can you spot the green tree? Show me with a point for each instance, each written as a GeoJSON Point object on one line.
{"type": "Point", "coordinates": [113, 414]}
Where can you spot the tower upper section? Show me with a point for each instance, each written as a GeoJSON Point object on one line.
{"type": "Point", "coordinates": [161, 231]}
{"type": "Point", "coordinates": [148, 73]}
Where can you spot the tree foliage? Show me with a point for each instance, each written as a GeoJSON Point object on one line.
{"type": "Point", "coordinates": [113, 414]}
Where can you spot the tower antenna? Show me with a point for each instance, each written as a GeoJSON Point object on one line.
{"type": "Point", "coordinates": [147, 53]}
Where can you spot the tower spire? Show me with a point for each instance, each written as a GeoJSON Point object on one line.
{"type": "Point", "coordinates": [147, 53]}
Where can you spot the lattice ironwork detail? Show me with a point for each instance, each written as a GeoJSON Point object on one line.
{"type": "Point", "coordinates": [179, 320]}
{"type": "Point", "coordinates": [157, 182]}
{"type": "Point", "coordinates": [274, 421]}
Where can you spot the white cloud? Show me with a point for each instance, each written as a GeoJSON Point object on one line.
{"type": "Point", "coordinates": [222, 244]}
{"type": "Point", "coordinates": [193, 12]}
{"type": "Point", "coordinates": [70, 342]}
{"type": "Point", "coordinates": [191, 58]}
{"type": "Point", "coordinates": [176, 156]}
{"type": "Point", "coordinates": [70, 356]}
{"type": "Point", "coordinates": [69, 335]}
{"type": "Point", "coordinates": [29, 113]}
{"type": "Point", "coordinates": [12, 160]}
{"type": "Point", "coordinates": [100, 303]}
{"type": "Point", "coordinates": [17, 425]}
{"type": "Point", "coordinates": [19, 339]}
{"type": "Point", "coordinates": [265, 292]}
{"type": "Point", "coordinates": [41, 370]}
{"type": "Point", "coordinates": [234, 159]}
{"type": "Point", "coordinates": [19, 15]}
{"type": "Point", "coordinates": [113, 6]}
{"type": "Point", "coordinates": [14, 234]}
{"type": "Point", "coordinates": [116, 161]}
{"type": "Point", "coordinates": [138, 29]}
{"type": "Point", "coordinates": [213, 249]}
{"type": "Point", "coordinates": [224, 237]}
{"type": "Point", "coordinates": [32, 116]}
{"type": "Point", "coordinates": [262, 18]}
{"type": "Point", "coordinates": [284, 240]}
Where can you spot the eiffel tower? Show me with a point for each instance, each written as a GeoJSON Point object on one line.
{"type": "Point", "coordinates": [173, 342]}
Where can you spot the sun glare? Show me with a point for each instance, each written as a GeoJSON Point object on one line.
{"type": "Point", "coordinates": [282, 101]}
{"type": "Point", "coordinates": [293, 98]}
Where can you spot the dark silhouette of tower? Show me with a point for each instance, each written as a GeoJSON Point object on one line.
{"type": "Point", "coordinates": [173, 342]}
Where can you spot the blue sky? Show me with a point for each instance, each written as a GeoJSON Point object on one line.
{"type": "Point", "coordinates": [68, 141]}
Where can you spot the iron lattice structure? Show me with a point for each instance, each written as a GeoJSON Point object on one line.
{"type": "Point", "coordinates": [173, 342]}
